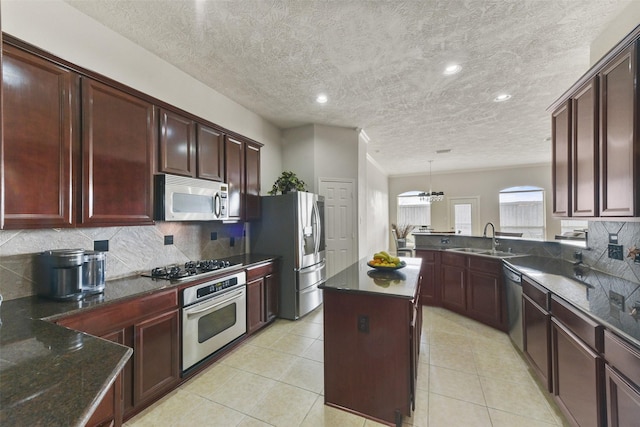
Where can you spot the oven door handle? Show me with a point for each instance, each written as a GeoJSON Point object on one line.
{"type": "Point", "coordinates": [210, 307]}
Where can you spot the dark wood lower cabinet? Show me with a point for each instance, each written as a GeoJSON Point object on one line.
{"type": "Point", "coordinates": [111, 409]}
{"type": "Point", "coordinates": [430, 272]}
{"type": "Point", "coordinates": [156, 360]}
{"type": "Point", "coordinates": [536, 332]}
{"type": "Point", "coordinates": [577, 378]}
{"type": "Point", "coordinates": [623, 400]}
{"type": "Point", "coordinates": [453, 288]}
{"type": "Point", "coordinates": [262, 295]}
{"type": "Point", "coordinates": [370, 353]}
{"type": "Point", "coordinates": [149, 325]}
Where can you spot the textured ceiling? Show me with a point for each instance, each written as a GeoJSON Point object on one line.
{"type": "Point", "coordinates": [380, 64]}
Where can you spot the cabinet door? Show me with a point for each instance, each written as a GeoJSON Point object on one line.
{"type": "Point", "coordinates": [429, 289]}
{"type": "Point", "coordinates": [271, 285]}
{"type": "Point", "coordinates": [577, 378]}
{"type": "Point", "coordinates": [117, 151]}
{"type": "Point", "coordinates": [485, 299]}
{"type": "Point", "coordinates": [234, 171]}
{"type": "Point", "coordinates": [453, 288]}
{"type": "Point", "coordinates": [252, 182]}
{"type": "Point", "coordinates": [255, 305]}
{"type": "Point", "coordinates": [156, 356]}
{"type": "Point", "coordinates": [561, 171]}
{"type": "Point", "coordinates": [39, 112]}
{"type": "Point", "coordinates": [618, 140]}
{"type": "Point", "coordinates": [110, 409]}
{"type": "Point", "coordinates": [585, 150]}
{"type": "Point", "coordinates": [536, 324]}
{"type": "Point", "coordinates": [177, 144]}
{"type": "Point", "coordinates": [623, 400]}
{"type": "Point", "coordinates": [210, 154]}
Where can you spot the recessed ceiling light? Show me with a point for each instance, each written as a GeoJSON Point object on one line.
{"type": "Point", "coordinates": [322, 99]}
{"type": "Point", "coordinates": [452, 69]}
{"type": "Point", "coordinates": [502, 97]}
{"type": "Point", "coordinates": [443, 151]}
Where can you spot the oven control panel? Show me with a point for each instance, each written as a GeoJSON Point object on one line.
{"type": "Point", "coordinates": [209, 289]}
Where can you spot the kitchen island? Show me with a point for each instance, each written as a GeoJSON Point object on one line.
{"type": "Point", "coordinates": [372, 324]}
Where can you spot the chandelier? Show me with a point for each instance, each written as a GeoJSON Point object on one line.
{"type": "Point", "coordinates": [432, 196]}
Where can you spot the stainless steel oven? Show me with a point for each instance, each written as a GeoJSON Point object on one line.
{"type": "Point", "coordinates": [214, 313]}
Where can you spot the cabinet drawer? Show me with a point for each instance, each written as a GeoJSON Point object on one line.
{"type": "Point", "coordinates": [260, 270]}
{"type": "Point", "coordinates": [623, 356]}
{"type": "Point", "coordinates": [536, 293]}
{"type": "Point", "coordinates": [583, 327]}
{"type": "Point", "coordinates": [456, 260]}
{"type": "Point", "coordinates": [102, 320]}
{"type": "Point", "coordinates": [427, 256]}
{"type": "Point", "coordinates": [485, 265]}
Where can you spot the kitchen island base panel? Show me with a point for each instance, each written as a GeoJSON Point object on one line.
{"type": "Point", "coordinates": [367, 354]}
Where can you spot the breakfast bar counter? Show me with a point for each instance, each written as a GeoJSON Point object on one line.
{"type": "Point", "coordinates": [372, 324]}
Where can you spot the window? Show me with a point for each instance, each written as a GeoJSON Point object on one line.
{"type": "Point", "coordinates": [413, 209]}
{"type": "Point", "coordinates": [522, 211]}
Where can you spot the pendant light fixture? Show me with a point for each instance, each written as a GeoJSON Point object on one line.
{"type": "Point", "coordinates": [432, 196]}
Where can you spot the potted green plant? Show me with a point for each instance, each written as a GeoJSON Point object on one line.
{"type": "Point", "coordinates": [402, 231]}
{"type": "Point", "coordinates": [288, 181]}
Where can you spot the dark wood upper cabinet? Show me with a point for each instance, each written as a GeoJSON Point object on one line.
{"type": "Point", "coordinates": [234, 176]}
{"type": "Point", "coordinates": [585, 151]}
{"type": "Point", "coordinates": [252, 182]}
{"type": "Point", "coordinates": [117, 156]}
{"type": "Point", "coordinates": [210, 153]}
{"type": "Point", "coordinates": [177, 144]}
{"type": "Point", "coordinates": [39, 159]}
{"type": "Point", "coordinates": [561, 152]}
{"type": "Point", "coordinates": [619, 146]}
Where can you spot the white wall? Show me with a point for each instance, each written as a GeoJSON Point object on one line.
{"type": "Point", "coordinates": [486, 184]}
{"type": "Point", "coordinates": [65, 32]}
{"type": "Point", "coordinates": [376, 233]}
{"type": "Point", "coordinates": [622, 25]}
{"type": "Point", "coordinates": [298, 154]}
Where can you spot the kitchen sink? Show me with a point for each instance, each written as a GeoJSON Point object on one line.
{"type": "Point", "coordinates": [485, 252]}
{"type": "Point", "coordinates": [471, 250]}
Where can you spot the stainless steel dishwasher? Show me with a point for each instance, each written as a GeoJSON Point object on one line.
{"type": "Point", "coordinates": [513, 285]}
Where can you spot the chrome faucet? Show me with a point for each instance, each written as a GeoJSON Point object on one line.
{"type": "Point", "coordinates": [493, 237]}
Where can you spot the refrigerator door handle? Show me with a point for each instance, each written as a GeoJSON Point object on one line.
{"type": "Point", "coordinates": [318, 266]}
{"type": "Point", "coordinates": [318, 230]}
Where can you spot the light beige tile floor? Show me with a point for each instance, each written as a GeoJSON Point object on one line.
{"type": "Point", "coordinates": [469, 375]}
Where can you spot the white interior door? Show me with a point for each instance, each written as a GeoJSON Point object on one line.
{"type": "Point", "coordinates": [463, 215]}
{"type": "Point", "coordinates": [339, 218]}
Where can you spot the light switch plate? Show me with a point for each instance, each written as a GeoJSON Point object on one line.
{"type": "Point", "coordinates": [616, 300]}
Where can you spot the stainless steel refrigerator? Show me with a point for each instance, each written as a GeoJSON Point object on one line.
{"type": "Point", "coordinates": [292, 227]}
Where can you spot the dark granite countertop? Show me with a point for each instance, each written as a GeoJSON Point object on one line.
{"type": "Point", "coordinates": [51, 375]}
{"type": "Point", "coordinates": [586, 289]}
{"type": "Point", "coordinates": [359, 277]}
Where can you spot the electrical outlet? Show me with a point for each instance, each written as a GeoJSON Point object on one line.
{"type": "Point", "coordinates": [168, 240]}
{"type": "Point", "coordinates": [214, 235]}
{"type": "Point", "coordinates": [615, 251]}
{"type": "Point", "coordinates": [363, 323]}
{"type": "Point", "coordinates": [613, 238]}
{"type": "Point", "coordinates": [636, 259]}
{"type": "Point", "coordinates": [232, 241]}
{"type": "Point", "coordinates": [101, 245]}
{"type": "Point", "coordinates": [616, 300]}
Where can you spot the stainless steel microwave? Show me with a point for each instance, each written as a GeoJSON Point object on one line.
{"type": "Point", "coordinates": [180, 198]}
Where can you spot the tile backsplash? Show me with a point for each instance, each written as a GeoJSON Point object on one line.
{"type": "Point", "coordinates": [132, 250]}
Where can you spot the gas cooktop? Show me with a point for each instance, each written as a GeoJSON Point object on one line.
{"type": "Point", "coordinates": [190, 269]}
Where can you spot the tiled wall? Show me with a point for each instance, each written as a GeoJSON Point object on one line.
{"type": "Point", "coordinates": [132, 250]}
{"type": "Point", "coordinates": [595, 256]}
